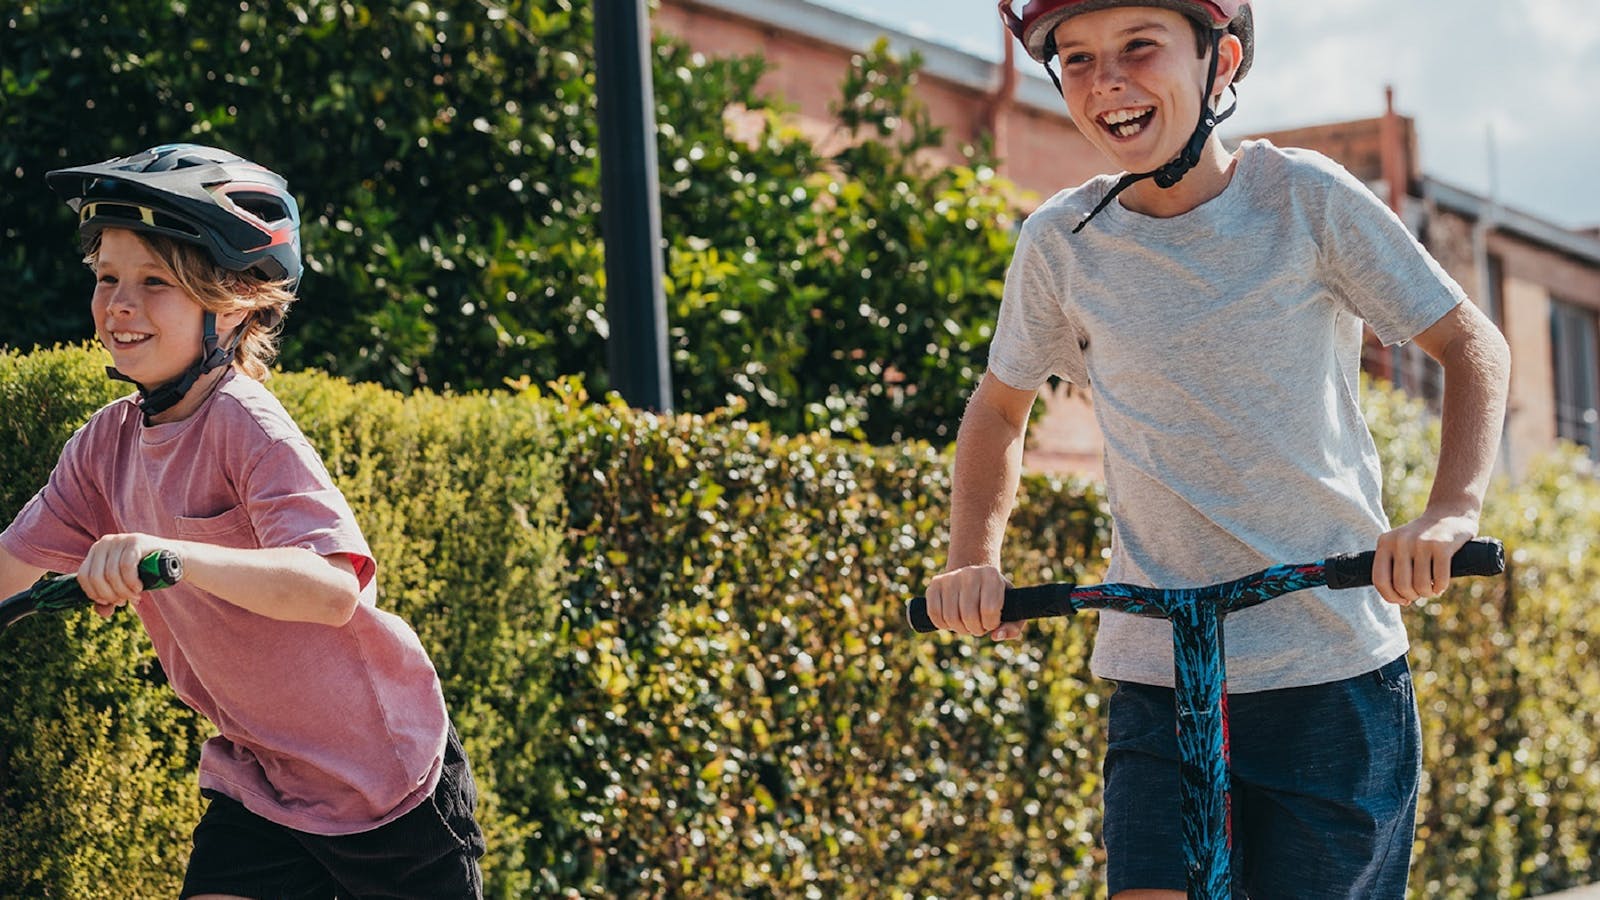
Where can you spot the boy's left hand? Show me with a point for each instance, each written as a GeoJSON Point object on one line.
{"type": "Point", "coordinates": [1413, 561]}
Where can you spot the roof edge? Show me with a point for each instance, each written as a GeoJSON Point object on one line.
{"type": "Point", "coordinates": [842, 29]}
{"type": "Point", "coordinates": [1480, 208]}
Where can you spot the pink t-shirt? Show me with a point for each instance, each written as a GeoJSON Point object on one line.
{"type": "Point", "coordinates": [324, 730]}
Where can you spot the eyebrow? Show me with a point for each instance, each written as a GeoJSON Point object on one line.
{"type": "Point", "coordinates": [1151, 25]}
{"type": "Point", "coordinates": [136, 268]}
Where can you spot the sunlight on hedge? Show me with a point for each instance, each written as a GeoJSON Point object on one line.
{"type": "Point", "coordinates": [675, 649]}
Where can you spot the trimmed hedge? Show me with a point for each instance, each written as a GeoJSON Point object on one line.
{"type": "Point", "coordinates": [749, 715]}
{"type": "Point", "coordinates": [469, 554]}
{"type": "Point", "coordinates": [675, 650]}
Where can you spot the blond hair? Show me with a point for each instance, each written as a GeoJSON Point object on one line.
{"type": "Point", "coordinates": [219, 291]}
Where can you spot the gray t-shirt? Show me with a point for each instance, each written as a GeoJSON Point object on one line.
{"type": "Point", "coordinates": [1223, 347]}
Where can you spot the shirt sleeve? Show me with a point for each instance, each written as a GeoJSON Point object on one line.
{"type": "Point", "coordinates": [1034, 336]}
{"type": "Point", "coordinates": [1378, 269]}
{"type": "Point", "coordinates": [292, 502]}
{"type": "Point", "coordinates": [56, 528]}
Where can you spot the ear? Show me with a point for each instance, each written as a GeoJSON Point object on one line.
{"type": "Point", "coordinates": [1230, 53]}
{"type": "Point", "coordinates": [228, 323]}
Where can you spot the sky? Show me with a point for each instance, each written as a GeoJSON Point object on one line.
{"type": "Point", "coordinates": [1505, 95]}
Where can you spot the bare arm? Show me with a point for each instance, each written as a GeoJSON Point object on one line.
{"type": "Point", "coordinates": [987, 469]}
{"type": "Point", "coordinates": [967, 596]}
{"type": "Point", "coordinates": [1413, 561]}
{"type": "Point", "coordinates": [15, 575]}
{"type": "Point", "coordinates": [290, 584]}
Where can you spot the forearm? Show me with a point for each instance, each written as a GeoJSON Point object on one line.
{"type": "Point", "coordinates": [1477, 372]}
{"type": "Point", "coordinates": [988, 467]}
{"type": "Point", "coordinates": [15, 575]}
{"type": "Point", "coordinates": [290, 584]}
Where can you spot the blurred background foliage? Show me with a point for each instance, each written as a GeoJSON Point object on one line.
{"type": "Point", "coordinates": [445, 157]}
{"type": "Point", "coordinates": [675, 649]}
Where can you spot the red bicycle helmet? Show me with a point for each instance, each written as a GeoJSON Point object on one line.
{"type": "Point", "coordinates": [1036, 27]}
{"type": "Point", "coordinates": [1037, 23]}
{"type": "Point", "coordinates": [240, 212]}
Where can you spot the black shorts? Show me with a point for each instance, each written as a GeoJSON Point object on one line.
{"type": "Point", "coordinates": [430, 852]}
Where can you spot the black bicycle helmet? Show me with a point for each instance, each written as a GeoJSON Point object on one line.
{"type": "Point", "coordinates": [240, 212]}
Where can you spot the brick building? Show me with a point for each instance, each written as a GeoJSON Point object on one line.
{"type": "Point", "coordinates": [1538, 281]}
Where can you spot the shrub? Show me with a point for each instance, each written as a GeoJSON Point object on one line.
{"type": "Point", "coordinates": [459, 499]}
{"type": "Point", "coordinates": [675, 649]}
{"type": "Point", "coordinates": [1510, 803]}
{"type": "Point", "coordinates": [96, 754]}
{"type": "Point", "coordinates": [748, 714]}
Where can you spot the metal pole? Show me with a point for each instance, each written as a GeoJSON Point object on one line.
{"type": "Point", "coordinates": [630, 205]}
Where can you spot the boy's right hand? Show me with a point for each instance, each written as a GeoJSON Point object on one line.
{"type": "Point", "coordinates": [968, 601]}
{"type": "Point", "coordinates": [109, 574]}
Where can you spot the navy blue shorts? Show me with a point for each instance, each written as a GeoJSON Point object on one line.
{"type": "Point", "coordinates": [1324, 789]}
{"type": "Point", "coordinates": [430, 852]}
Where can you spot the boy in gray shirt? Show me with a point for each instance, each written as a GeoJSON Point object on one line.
{"type": "Point", "coordinates": [1214, 303]}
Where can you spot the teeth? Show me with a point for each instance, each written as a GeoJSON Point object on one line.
{"type": "Point", "coordinates": [1117, 117]}
{"type": "Point", "coordinates": [128, 337]}
{"type": "Point", "coordinates": [1127, 130]}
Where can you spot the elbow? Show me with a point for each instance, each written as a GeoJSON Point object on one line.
{"type": "Point", "coordinates": [342, 602]}
{"type": "Point", "coordinates": [1493, 355]}
{"type": "Point", "coordinates": [1482, 351]}
{"type": "Point", "coordinates": [339, 592]}
{"type": "Point", "coordinates": [341, 612]}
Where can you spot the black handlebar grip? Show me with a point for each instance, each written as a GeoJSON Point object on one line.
{"type": "Point", "coordinates": [1480, 556]}
{"type": "Point", "coordinates": [917, 615]}
{"type": "Point", "coordinates": [1021, 603]}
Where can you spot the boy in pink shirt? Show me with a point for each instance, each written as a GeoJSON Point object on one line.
{"type": "Point", "coordinates": [335, 770]}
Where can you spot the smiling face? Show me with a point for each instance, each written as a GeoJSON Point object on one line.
{"type": "Point", "coordinates": [151, 325]}
{"type": "Point", "coordinates": [1132, 78]}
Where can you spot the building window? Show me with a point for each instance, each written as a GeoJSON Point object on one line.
{"type": "Point", "coordinates": [1574, 334]}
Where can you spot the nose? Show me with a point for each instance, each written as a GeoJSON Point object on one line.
{"type": "Point", "coordinates": [118, 299]}
{"type": "Point", "coordinates": [1107, 77]}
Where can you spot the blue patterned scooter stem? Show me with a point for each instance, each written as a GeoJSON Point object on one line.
{"type": "Point", "coordinates": [1204, 795]}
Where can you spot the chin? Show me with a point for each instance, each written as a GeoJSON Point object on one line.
{"type": "Point", "coordinates": [1138, 156]}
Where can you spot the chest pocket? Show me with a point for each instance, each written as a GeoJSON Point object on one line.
{"type": "Point", "coordinates": [230, 528]}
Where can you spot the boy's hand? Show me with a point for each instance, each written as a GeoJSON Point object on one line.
{"type": "Point", "coordinates": [968, 601]}
{"type": "Point", "coordinates": [1413, 561]}
{"type": "Point", "coordinates": [109, 574]}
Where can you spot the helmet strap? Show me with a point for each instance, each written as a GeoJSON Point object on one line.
{"type": "Point", "coordinates": [1170, 174]}
{"type": "Point", "coordinates": [155, 401]}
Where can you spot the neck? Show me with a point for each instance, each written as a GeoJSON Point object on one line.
{"type": "Point", "coordinates": [192, 399]}
{"type": "Point", "coordinates": [1208, 179]}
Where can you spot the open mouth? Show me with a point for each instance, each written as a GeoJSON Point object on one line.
{"type": "Point", "coordinates": [128, 338]}
{"type": "Point", "coordinates": [1125, 123]}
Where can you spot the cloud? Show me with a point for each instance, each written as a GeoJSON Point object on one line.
{"type": "Point", "coordinates": [1568, 27]}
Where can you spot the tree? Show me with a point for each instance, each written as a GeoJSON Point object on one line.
{"type": "Point", "coordinates": [444, 154]}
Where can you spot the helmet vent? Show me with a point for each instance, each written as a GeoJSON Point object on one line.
{"type": "Point", "coordinates": [100, 211]}
{"type": "Point", "coordinates": [265, 207]}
